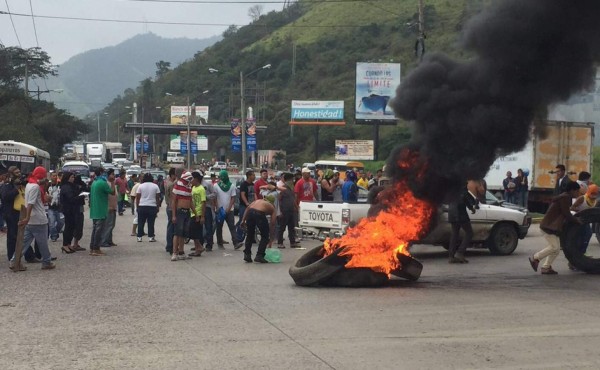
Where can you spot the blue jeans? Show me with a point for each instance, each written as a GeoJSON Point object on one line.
{"type": "Point", "coordinates": [111, 220]}
{"type": "Point", "coordinates": [238, 230]}
{"type": "Point", "coordinates": [170, 229]}
{"type": "Point", "coordinates": [585, 238]}
{"type": "Point", "coordinates": [55, 223]}
{"type": "Point", "coordinates": [97, 233]}
{"type": "Point", "coordinates": [229, 219]}
{"type": "Point", "coordinates": [39, 233]}
{"type": "Point", "coordinates": [121, 203]}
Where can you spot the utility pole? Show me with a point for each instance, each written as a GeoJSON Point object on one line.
{"type": "Point", "coordinates": [420, 44]}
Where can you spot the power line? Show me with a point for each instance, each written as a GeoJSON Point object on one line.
{"type": "Point", "coordinates": [13, 23]}
{"type": "Point", "coordinates": [37, 42]}
{"type": "Point", "coordinates": [246, 1]}
{"type": "Point", "coordinates": [33, 21]}
{"type": "Point", "coordinates": [177, 23]}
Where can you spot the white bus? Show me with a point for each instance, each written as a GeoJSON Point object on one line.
{"type": "Point", "coordinates": [77, 168]}
{"type": "Point", "coordinates": [26, 157]}
{"type": "Point", "coordinates": [175, 157]}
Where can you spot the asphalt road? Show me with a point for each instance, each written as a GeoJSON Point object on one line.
{"type": "Point", "coordinates": [134, 308]}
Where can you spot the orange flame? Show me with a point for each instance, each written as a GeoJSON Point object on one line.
{"type": "Point", "coordinates": [376, 241]}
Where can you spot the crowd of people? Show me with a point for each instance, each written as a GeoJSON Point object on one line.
{"type": "Point", "coordinates": [197, 208]}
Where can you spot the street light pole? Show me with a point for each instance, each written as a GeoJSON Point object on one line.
{"type": "Point", "coordinates": [189, 149]}
{"type": "Point", "coordinates": [243, 123]}
{"type": "Point", "coordinates": [98, 119]}
{"type": "Point", "coordinates": [142, 139]}
{"type": "Point", "coordinates": [243, 108]}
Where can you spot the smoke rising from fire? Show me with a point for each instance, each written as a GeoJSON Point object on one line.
{"type": "Point", "coordinates": [528, 54]}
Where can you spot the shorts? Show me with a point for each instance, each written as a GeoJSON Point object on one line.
{"type": "Point", "coordinates": [183, 222]}
{"type": "Point", "coordinates": [196, 231]}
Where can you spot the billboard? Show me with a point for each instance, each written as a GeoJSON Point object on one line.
{"type": "Point", "coordinates": [354, 150]}
{"type": "Point", "coordinates": [175, 143]}
{"type": "Point", "coordinates": [376, 85]}
{"type": "Point", "coordinates": [313, 110]}
{"type": "Point", "coordinates": [236, 135]}
{"type": "Point", "coordinates": [251, 135]}
{"type": "Point", "coordinates": [193, 142]}
{"type": "Point", "coordinates": [179, 115]}
{"type": "Point", "coordinates": [138, 144]}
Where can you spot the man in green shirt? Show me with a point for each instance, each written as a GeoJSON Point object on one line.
{"type": "Point", "coordinates": [99, 208]}
{"type": "Point", "coordinates": [196, 231]}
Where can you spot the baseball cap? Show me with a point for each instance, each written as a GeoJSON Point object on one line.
{"type": "Point", "coordinates": [305, 170]}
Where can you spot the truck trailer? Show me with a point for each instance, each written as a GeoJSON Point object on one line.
{"type": "Point", "coordinates": [568, 143]}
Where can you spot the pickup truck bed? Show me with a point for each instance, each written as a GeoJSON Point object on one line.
{"type": "Point", "coordinates": [323, 219]}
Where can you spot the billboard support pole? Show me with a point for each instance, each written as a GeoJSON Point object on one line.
{"type": "Point", "coordinates": [316, 142]}
{"type": "Point", "coordinates": [376, 141]}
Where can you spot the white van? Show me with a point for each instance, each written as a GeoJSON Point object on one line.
{"type": "Point", "coordinates": [175, 157]}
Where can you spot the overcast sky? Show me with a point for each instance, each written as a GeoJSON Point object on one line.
{"type": "Point", "coordinates": [63, 38]}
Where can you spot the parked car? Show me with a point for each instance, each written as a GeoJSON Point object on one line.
{"type": "Point", "coordinates": [217, 166]}
{"type": "Point", "coordinates": [495, 227]}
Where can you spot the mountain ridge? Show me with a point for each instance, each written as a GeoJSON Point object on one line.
{"type": "Point", "coordinates": [92, 79]}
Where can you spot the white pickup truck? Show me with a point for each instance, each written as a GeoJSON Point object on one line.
{"type": "Point", "coordinates": [494, 227]}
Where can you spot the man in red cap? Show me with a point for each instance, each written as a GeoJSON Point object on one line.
{"type": "Point", "coordinates": [36, 221]}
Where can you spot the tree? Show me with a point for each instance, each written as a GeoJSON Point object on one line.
{"type": "Point", "coordinates": [16, 62]}
{"type": "Point", "coordinates": [255, 12]}
{"type": "Point", "coordinates": [230, 31]}
{"type": "Point", "coordinates": [162, 68]}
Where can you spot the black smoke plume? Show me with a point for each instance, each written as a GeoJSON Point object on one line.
{"type": "Point", "coordinates": [528, 54]}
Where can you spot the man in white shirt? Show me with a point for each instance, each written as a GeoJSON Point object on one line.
{"type": "Point", "coordinates": [36, 221]}
{"type": "Point", "coordinates": [226, 193]}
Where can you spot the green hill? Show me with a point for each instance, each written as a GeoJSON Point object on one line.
{"type": "Point", "coordinates": [313, 48]}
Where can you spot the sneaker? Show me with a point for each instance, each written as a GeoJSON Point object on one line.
{"type": "Point", "coordinates": [139, 239]}
{"type": "Point", "coordinates": [174, 257]}
{"type": "Point", "coordinates": [280, 246]}
{"type": "Point", "coordinates": [260, 259]}
{"type": "Point", "coordinates": [238, 246]}
{"type": "Point", "coordinates": [48, 266]}
{"type": "Point", "coordinates": [152, 240]}
{"type": "Point", "coordinates": [113, 245]}
{"type": "Point", "coordinates": [183, 257]}
{"type": "Point", "coordinates": [247, 257]}
{"type": "Point", "coordinates": [209, 248]}
{"type": "Point", "coordinates": [225, 242]}
{"type": "Point", "coordinates": [295, 245]}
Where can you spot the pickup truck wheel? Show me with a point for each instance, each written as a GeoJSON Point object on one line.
{"type": "Point", "coordinates": [503, 239]}
{"type": "Point", "coordinates": [312, 268]}
{"type": "Point", "coordinates": [571, 241]}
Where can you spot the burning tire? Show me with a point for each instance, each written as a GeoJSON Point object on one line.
{"type": "Point", "coordinates": [356, 278]}
{"type": "Point", "coordinates": [312, 268]}
{"type": "Point", "coordinates": [571, 241]}
{"type": "Point", "coordinates": [503, 240]}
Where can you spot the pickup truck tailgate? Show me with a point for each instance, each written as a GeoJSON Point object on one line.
{"type": "Point", "coordinates": [319, 215]}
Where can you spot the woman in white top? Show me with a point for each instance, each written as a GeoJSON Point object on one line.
{"type": "Point", "coordinates": [147, 201]}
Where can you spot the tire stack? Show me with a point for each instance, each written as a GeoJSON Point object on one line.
{"type": "Point", "coordinates": [313, 270]}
